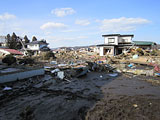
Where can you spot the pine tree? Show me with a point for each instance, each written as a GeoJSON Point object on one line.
{"type": "Point", "coordinates": [26, 39]}
{"type": "Point", "coordinates": [34, 38]}
{"type": "Point", "coordinates": [8, 40]}
{"type": "Point", "coordinates": [13, 42]}
{"type": "Point", "coordinates": [18, 43]}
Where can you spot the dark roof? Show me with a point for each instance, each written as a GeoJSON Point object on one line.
{"type": "Point", "coordinates": [36, 42]}
{"type": "Point", "coordinates": [117, 35]}
{"type": "Point", "coordinates": [144, 43]}
{"type": "Point", "coordinates": [45, 48]}
{"type": "Point", "coordinates": [127, 35]}
{"type": "Point", "coordinates": [110, 35]}
{"type": "Point", "coordinates": [106, 45]}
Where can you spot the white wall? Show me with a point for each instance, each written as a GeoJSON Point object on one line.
{"type": "Point", "coordinates": [101, 52]}
{"type": "Point", "coordinates": [126, 38]}
{"type": "Point", "coordinates": [33, 47]}
{"type": "Point", "coordinates": [107, 38]}
{"type": "Point", "coordinates": [111, 51]}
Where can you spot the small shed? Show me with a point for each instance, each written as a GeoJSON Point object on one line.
{"type": "Point", "coordinates": [145, 44]}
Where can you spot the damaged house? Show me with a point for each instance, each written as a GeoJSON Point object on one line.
{"type": "Point", "coordinates": [115, 44]}
{"type": "Point", "coordinates": [37, 46]}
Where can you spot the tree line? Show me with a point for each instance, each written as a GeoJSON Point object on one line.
{"type": "Point", "coordinates": [14, 42]}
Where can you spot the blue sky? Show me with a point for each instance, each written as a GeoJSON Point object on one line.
{"type": "Point", "coordinates": [80, 22]}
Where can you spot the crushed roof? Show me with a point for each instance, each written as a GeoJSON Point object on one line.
{"type": "Point", "coordinates": [12, 51]}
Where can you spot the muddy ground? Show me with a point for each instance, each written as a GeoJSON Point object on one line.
{"type": "Point", "coordinates": [96, 96]}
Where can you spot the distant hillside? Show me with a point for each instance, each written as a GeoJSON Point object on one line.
{"type": "Point", "coordinates": [75, 47]}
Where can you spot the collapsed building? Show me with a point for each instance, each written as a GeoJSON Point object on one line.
{"type": "Point", "coordinates": [5, 51]}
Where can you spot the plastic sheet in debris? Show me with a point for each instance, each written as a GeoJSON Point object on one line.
{"type": "Point", "coordinates": [7, 88]}
{"type": "Point", "coordinates": [113, 74]}
{"type": "Point", "coordinates": [62, 65]}
{"type": "Point", "coordinates": [80, 66]}
{"type": "Point", "coordinates": [100, 61]}
{"type": "Point", "coordinates": [53, 62]}
{"type": "Point", "coordinates": [60, 75]}
{"type": "Point", "coordinates": [101, 76]}
{"type": "Point", "coordinates": [55, 70]}
{"type": "Point", "coordinates": [130, 65]}
{"type": "Point", "coordinates": [157, 68]}
{"type": "Point", "coordinates": [135, 56]}
{"type": "Point", "coordinates": [157, 74]}
{"type": "Point", "coordinates": [46, 67]}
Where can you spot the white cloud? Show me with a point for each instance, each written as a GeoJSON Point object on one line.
{"type": "Point", "coordinates": [82, 22]}
{"type": "Point", "coordinates": [7, 16]}
{"type": "Point", "coordinates": [8, 23]}
{"type": "Point", "coordinates": [53, 25]}
{"type": "Point", "coordinates": [122, 24]}
{"type": "Point", "coordinates": [61, 12]}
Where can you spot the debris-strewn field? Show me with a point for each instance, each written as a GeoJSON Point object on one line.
{"type": "Point", "coordinates": [85, 87]}
{"type": "Point", "coordinates": [126, 107]}
{"type": "Point", "coordinates": [96, 96]}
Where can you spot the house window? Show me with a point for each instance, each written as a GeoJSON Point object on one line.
{"type": "Point", "coordinates": [111, 40]}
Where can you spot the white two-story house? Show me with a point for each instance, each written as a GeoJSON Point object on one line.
{"type": "Point", "coordinates": [115, 44]}
{"type": "Point", "coordinates": [37, 46]}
